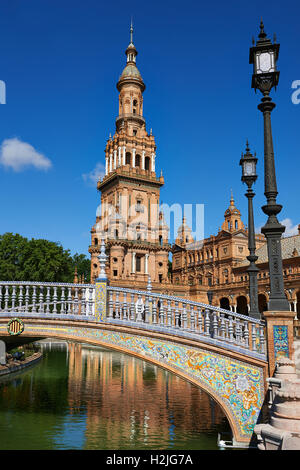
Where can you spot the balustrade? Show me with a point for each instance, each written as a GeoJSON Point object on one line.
{"type": "Point", "coordinates": [47, 298]}
{"type": "Point", "coordinates": [176, 316]}
{"type": "Point", "coordinates": [141, 309]}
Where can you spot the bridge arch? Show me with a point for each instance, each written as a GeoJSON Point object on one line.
{"type": "Point", "coordinates": [235, 382]}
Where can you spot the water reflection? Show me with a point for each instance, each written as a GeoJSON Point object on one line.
{"type": "Point", "coordinates": [94, 398]}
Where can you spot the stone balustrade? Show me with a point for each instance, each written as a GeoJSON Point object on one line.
{"type": "Point", "coordinates": [182, 317]}
{"type": "Point", "coordinates": [139, 309]}
{"type": "Point", "coordinates": [47, 298]}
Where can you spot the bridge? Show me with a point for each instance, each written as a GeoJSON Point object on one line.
{"type": "Point", "coordinates": [227, 354]}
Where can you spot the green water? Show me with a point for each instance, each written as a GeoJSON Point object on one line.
{"type": "Point", "coordinates": [81, 397]}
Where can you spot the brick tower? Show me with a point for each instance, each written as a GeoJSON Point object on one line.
{"type": "Point", "coordinates": [129, 219]}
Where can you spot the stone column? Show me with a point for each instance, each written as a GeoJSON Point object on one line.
{"type": "Point", "coordinates": [153, 161]}
{"type": "Point", "coordinates": [143, 160]}
{"type": "Point", "coordinates": [124, 155]}
{"type": "Point", "coordinates": [119, 156]}
{"type": "Point", "coordinates": [115, 159]}
{"type": "Point", "coordinates": [279, 336]}
{"type": "Point", "coordinates": [110, 162]}
{"type": "Point", "coordinates": [133, 157]}
{"type": "Point", "coordinates": [106, 165]}
{"type": "Point", "coordinates": [133, 262]}
{"type": "Point", "coordinates": [146, 263]}
{"type": "Point", "coordinates": [295, 309]}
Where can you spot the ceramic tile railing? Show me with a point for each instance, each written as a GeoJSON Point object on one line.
{"type": "Point", "coordinates": [140, 309]}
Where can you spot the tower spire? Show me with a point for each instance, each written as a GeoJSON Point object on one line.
{"type": "Point", "coordinates": [131, 32]}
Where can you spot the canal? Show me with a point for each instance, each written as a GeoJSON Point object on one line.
{"type": "Point", "coordinates": [85, 397]}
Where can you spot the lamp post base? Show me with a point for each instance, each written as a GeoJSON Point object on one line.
{"type": "Point", "coordinates": [273, 231]}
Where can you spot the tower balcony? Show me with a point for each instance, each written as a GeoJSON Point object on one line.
{"type": "Point", "coordinates": [130, 117]}
{"type": "Point", "coordinates": [127, 172]}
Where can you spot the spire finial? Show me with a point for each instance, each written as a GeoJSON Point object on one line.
{"type": "Point", "coordinates": [231, 198]}
{"type": "Point", "coordinates": [262, 33]}
{"type": "Point", "coordinates": [247, 146]}
{"type": "Point", "coordinates": [131, 32]}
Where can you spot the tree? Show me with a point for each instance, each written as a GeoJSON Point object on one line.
{"type": "Point", "coordinates": [12, 249]}
{"type": "Point", "coordinates": [38, 260]}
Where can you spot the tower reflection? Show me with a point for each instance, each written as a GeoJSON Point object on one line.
{"type": "Point", "coordinates": [129, 403]}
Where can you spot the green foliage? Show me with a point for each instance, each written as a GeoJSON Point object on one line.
{"type": "Point", "coordinates": [38, 260]}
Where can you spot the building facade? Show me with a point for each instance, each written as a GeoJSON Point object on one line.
{"type": "Point", "coordinates": [219, 264]}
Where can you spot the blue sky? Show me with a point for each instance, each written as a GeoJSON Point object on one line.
{"type": "Point", "coordinates": [61, 60]}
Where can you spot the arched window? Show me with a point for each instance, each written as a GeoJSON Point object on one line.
{"type": "Point", "coordinates": [128, 158]}
{"type": "Point", "coordinates": [138, 160]}
{"type": "Point", "coordinates": [134, 109]}
{"type": "Point", "coordinates": [147, 163]}
{"type": "Point", "coordinates": [236, 224]}
{"type": "Point", "coordinates": [95, 241]}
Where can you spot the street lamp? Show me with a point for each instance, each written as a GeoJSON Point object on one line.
{"type": "Point", "coordinates": [249, 176]}
{"type": "Point", "coordinates": [263, 56]}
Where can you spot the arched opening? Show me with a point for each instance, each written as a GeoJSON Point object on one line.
{"type": "Point", "coordinates": [138, 160]}
{"type": "Point", "coordinates": [224, 303]}
{"type": "Point", "coordinates": [128, 158]}
{"type": "Point", "coordinates": [95, 241]}
{"type": "Point", "coordinates": [241, 305]}
{"type": "Point", "coordinates": [134, 108]}
{"type": "Point", "coordinates": [147, 163]}
{"type": "Point", "coordinates": [262, 303]}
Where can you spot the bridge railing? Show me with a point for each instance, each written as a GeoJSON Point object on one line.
{"type": "Point", "coordinates": [47, 298]}
{"type": "Point", "coordinates": [139, 309]}
{"type": "Point", "coordinates": [182, 317]}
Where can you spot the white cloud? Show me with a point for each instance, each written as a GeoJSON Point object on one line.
{"type": "Point", "coordinates": [18, 155]}
{"type": "Point", "coordinates": [93, 176]}
{"type": "Point", "coordinates": [290, 229]}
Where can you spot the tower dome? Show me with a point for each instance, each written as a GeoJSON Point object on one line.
{"type": "Point", "coordinates": [131, 73]}
{"type": "Point", "coordinates": [232, 215]}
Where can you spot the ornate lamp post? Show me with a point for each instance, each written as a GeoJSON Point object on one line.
{"type": "Point", "coordinates": [249, 176]}
{"type": "Point", "coordinates": [263, 56]}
